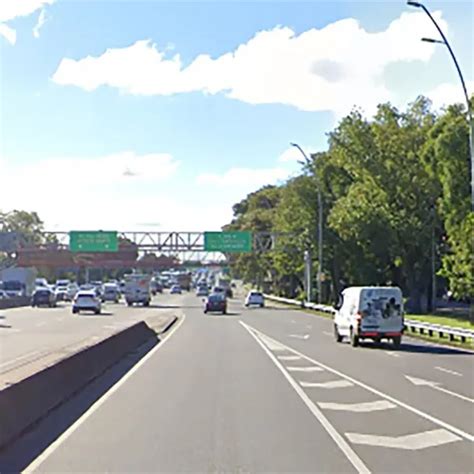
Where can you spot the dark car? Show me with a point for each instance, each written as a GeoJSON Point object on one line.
{"type": "Point", "coordinates": [216, 302]}
{"type": "Point", "coordinates": [43, 297]}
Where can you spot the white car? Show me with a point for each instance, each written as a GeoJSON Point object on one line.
{"type": "Point", "coordinates": [86, 301]}
{"type": "Point", "coordinates": [61, 293]}
{"type": "Point", "coordinates": [111, 292]}
{"type": "Point", "coordinates": [3, 295]}
{"type": "Point", "coordinates": [256, 298]}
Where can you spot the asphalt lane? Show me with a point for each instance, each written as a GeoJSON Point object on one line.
{"type": "Point", "coordinates": [209, 400]}
{"type": "Point", "coordinates": [269, 390]}
{"type": "Point", "coordinates": [27, 334]}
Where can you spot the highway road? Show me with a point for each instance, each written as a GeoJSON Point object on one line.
{"type": "Point", "coordinates": [29, 335]}
{"type": "Point", "coordinates": [263, 390]}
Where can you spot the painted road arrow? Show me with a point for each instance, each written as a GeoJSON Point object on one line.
{"type": "Point", "coordinates": [427, 383]}
{"type": "Point", "coordinates": [412, 442]}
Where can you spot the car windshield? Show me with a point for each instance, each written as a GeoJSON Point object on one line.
{"type": "Point", "coordinates": [12, 285]}
{"type": "Point", "coordinates": [215, 298]}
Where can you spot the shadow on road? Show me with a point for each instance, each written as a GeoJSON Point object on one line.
{"type": "Point", "coordinates": [21, 453]}
{"type": "Point", "coordinates": [5, 326]}
{"type": "Point", "coordinates": [417, 348]}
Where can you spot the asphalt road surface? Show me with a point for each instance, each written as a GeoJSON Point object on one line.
{"type": "Point", "coordinates": [263, 390]}
{"type": "Point", "coordinates": [28, 335]}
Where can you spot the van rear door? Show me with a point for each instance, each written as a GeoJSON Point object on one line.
{"type": "Point", "coordinates": [382, 310]}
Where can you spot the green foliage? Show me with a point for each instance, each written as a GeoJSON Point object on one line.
{"type": "Point", "coordinates": [389, 185]}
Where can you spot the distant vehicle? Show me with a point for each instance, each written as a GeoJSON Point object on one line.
{"type": "Point", "coordinates": [202, 291]}
{"type": "Point", "coordinates": [43, 297]}
{"type": "Point", "coordinates": [86, 301]}
{"type": "Point", "coordinates": [18, 281]}
{"type": "Point", "coordinates": [256, 298]}
{"type": "Point", "coordinates": [41, 282]}
{"type": "Point", "coordinates": [218, 289]}
{"type": "Point", "coordinates": [215, 302]}
{"type": "Point", "coordinates": [156, 286]}
{"type": "Point", "coordinates": [137, 289]}
{"type": "Point", "coordinates": [3, 295]}
{"type": "Point", "coordinates": [72, 289]}
{"type": "Point", "coordinates": [370, 313]}
{"type": "Point", "coordinates": [175, 290]}
{"type": "Point", "coordinates": [184, 281]}
{"type": "Point", "coordinates": [111, 292]}
{"type": "Point", "coordinates": [62, 283]}
{"type": "Point", "coordinates": [14, 288]}
{"type": "Point", "coordinates": [61, 293]}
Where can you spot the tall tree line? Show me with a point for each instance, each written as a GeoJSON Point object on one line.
{"type": "Point", "coordinates": [395, 187]}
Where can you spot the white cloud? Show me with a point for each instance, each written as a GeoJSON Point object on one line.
{"type": "Point", "coordinates": [449, 93]}
{"type": "Point", "coordinates": [244, 178]}
{"type": "Point", "coordinates": [39, 24]}
{"type": "Point", "coordinates": [8, 33]}
{"type": "Point", "coordinates": [11, 9]}
{"type": "Point", "coordinates": [327, 69]}
{"type": "Point", "coordinates": [108, 192]}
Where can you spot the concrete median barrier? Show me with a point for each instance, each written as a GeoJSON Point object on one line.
{"type": "Point", "coordinates": [15, 302]}
{"type": "Point", "coordinates": [25, 402]}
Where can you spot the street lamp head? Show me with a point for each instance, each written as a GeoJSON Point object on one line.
{"type": "Point", "coordinates": [414, 4]}
{"type": "Point", "coordinates": [293, 144]}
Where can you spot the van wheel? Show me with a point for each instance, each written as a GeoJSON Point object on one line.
{"type": "Point", "coordinates": [129, 303]}
{"type": "Point", "coordinates": [337, 335]}
{"type": "Point", "coordinates": [354, 338]}
{"type": "Point", "coordinates": [397, 340]}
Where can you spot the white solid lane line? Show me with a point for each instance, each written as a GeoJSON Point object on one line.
{"type": "Point", "coordinates": [328, 385]}
{"type": "Point", "coordinates": [448, 371]}
{"type": "Point", "coordinates": [298, 336]}
{"type": "Point", "coordinates": [304, 369]}
{"type": "Point", "coordinates": [426, 439]}
{"type": "Point", "coordinates": [350, 454]}
{"type": "Point", "coordinates": [365, 407]}
{"type": "Point", "coordinates": [379, 393]}
{"type": "Point", "coordinates": [53, 446]}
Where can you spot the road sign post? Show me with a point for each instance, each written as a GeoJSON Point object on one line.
{"type": "Point", "coordinates": [228, 242]}
{"type": "Point", "coordinates": [93, 241]}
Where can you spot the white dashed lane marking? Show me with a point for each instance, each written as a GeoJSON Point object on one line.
{"type": "Point", "coordinates": [292, 357]}
{"type": "Point", "coordinates": [304, 369]}
{"type": "Point", "coordinates": [448, 371]}
{"type": "Point", "coordinates": [426, 439]}
{"type": "Point", "coordinates": [328, 385]}
{"type": "Point", "coordinates": [364, 407]}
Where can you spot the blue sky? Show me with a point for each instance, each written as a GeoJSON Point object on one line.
{"type": "Point", "coordinates": [195, 103]}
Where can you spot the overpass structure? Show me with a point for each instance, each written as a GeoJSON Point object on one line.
{"type": "Point", "coordinates": [142, 248]}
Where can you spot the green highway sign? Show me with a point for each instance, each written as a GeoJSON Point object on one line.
{"type": "Point", "coordinates": [93, 241]}
{"type": "Point", "coordinates": [228, 241]}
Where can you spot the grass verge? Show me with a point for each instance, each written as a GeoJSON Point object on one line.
{"type": "Point", "coordinates": [452, 321]}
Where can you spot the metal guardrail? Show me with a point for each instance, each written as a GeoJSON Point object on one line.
{"type": "Point", "coordinates": [431, 329]}
{"type": "Point", "coordinates": [427, 329]}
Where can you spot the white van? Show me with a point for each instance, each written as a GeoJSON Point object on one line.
{"type": "Point", "coordinates": [370, 312]}
{"type": "Point", "coordinates": [137, 289]}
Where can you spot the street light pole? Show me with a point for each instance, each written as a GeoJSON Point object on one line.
{"type": "Point", "coordinates": [320, 226]}
{"type": "Point", "coordinates": [466, 95]}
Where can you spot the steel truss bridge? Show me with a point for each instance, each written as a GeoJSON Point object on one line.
{"type": "Point", "coordinates": [187, 246]}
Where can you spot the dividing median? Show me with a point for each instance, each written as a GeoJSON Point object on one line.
{"type": "Point", "coordinates": [25, 402]}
